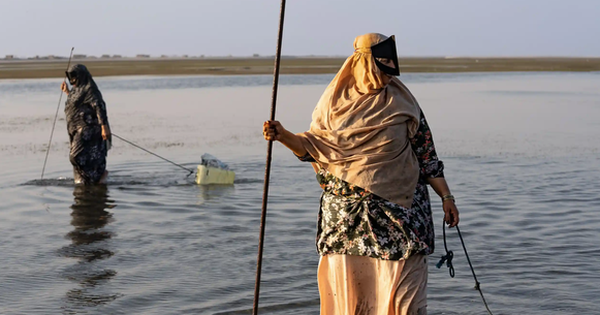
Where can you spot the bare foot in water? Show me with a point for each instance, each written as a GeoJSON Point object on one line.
{"type": "Point", "coordinates": [103, 178]}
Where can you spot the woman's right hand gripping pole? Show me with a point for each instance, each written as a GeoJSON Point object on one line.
{"type": "Point", "coordinates": [274, 131]}
{"type": "Point", "coordinates": [64, 87]}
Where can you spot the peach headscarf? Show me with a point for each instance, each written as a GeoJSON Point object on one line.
{"type": "Point", "coordinates": [361, 127]}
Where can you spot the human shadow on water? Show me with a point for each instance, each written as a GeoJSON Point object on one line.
{"type": "Point", "coordinates": [90, 245]}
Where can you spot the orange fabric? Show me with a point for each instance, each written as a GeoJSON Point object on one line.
{"type": "Point", "coordinates": [360, 285]}
{"type": "Point", "coordinates": [361, 127]}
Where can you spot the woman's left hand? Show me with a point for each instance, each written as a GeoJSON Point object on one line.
{"type": "Point", "coordinates": [105, 132]}
{"type": "Point", "coordinates": [450, 213]}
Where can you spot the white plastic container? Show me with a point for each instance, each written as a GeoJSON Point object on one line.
{"type": "Point", "coordinates": [213, 175]}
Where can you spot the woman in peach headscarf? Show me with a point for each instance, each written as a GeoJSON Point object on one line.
{"type": "Point", "coordinates": [373, 153]}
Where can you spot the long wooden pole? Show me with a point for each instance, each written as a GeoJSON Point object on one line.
{"type": "Point", "coordinates": [55, 116]}
{"type": "Point", "coordinates": [268, 165]}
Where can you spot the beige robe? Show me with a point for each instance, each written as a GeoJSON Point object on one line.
{"type": "Point", "coordinates": [360, 285]}
{"type": "Point", "coordinates": [362, 125]}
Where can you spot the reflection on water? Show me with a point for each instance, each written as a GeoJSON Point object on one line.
{"type": "Point", "coordinates": [90, 247]}
{"type": "Point", "coordinates": [206, 193]}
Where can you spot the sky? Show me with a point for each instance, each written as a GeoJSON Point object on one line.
{"type": "Point", "coordinates": [312, 27]}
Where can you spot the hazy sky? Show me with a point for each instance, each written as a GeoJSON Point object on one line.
{"type": "Point", "coordinates": [312, 27]}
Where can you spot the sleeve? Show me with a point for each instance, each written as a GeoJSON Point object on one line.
{"type": "Point", "coordinates": [100, 108]}
{"type": "Point", "coordinates": [422, 144]}
{"type": "Point", "coordinates": [306, 158]}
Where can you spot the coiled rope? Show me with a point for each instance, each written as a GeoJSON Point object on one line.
{"type": "Point", "coordinates": [448, 260]}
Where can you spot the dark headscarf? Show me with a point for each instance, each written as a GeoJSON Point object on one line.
{"type": "Point", "coordinates": [85, 105]}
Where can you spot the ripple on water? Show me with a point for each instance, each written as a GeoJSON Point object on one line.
{"type": "Point", "coordinates": [154, 242]}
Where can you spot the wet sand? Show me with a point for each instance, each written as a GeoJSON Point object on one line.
{"type": "Point", "coordinates": [21, 69]}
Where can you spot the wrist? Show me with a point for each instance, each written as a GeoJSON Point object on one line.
{"type": "Point", "coordinates": [447, 197]}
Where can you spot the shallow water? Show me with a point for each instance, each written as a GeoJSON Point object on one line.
{"type": "Point", "coordinates": [521, 153]}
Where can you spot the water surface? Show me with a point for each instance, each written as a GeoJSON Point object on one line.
{"type": "Point", "coordinates": [521, 153]}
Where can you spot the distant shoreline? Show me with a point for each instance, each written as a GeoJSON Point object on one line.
{"type": "Point", "coordinates": [28, 69]}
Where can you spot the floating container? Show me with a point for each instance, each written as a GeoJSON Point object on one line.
{"type": "Point", "coordinates": [213, 175]}
{"type": "Point", "coordinates": [213, 171]}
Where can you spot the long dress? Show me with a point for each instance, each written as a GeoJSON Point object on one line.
{"type": "Point", "coordinates": [85, 112]}
{"type": "Point", "coordinates": [366, 241]}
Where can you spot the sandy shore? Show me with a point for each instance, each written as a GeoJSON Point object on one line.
{"type": "Point", "coordinates": [20, 69]}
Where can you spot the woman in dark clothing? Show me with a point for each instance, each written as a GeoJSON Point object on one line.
{"type": "Point", "coordinates": [87, 125]}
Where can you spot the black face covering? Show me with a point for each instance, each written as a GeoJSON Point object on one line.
{"type": "Point", "coordinates": [386, 49]}
{"type": "Point", "coordinates": [72, 76]}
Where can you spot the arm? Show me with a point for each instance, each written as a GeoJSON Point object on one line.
{"type": "Point", "coordinates": [106, 134]}
{"type": "Point", "coordinates": [274, 131]}
{"type": "Point", "coordinates": [100, 109]}
{"type": "Point", "coordinates": [450, 211]}
{"type": "Point", "coordinates": [432, 170]}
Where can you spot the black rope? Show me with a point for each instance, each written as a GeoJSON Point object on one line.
{"type": "Point", "coordinates": [263, 217]}
{"type": "Point", "coordinates": [56, 116]}
{"type": "Point", "coordinates": [158, 156]}
{"type": "Point", "coordinates": [448, 259]}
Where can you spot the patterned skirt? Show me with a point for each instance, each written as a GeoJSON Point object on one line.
{"type": "Point", "coordinates": [88, 154]}
{"type": "Point", "coordinates": [353, 221]}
